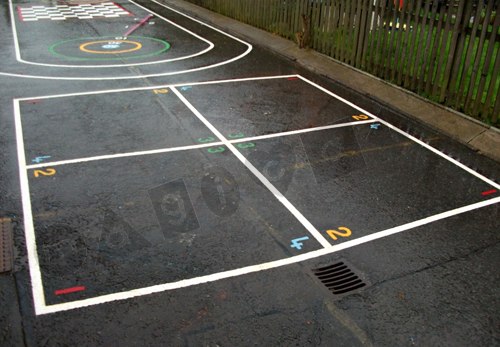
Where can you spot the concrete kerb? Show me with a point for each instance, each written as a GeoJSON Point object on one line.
{"type": "Point", "coordinates": [478, 136]}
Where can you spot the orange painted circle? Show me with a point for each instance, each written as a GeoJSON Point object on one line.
{"type": "Point", "coordinates": [83, 47]}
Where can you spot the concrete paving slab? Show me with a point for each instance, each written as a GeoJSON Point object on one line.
{"type": "Point", "coordinates": [488, 142]}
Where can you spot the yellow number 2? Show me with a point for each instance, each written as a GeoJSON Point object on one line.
{"type": "Point", "coordinates": [160, 91]}
{"type": "Point", "coordinates": [344, 232]}
{"type": "Point", "coordinates": [361, 117]}
{"type": "Point", "coordinates": [47, 172]}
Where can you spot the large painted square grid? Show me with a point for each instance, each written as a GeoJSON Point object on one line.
{"type": "Point", "coordinates": [158, 189]}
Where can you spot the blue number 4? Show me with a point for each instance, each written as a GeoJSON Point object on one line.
{"type": "Point", "coordinates": [297, 244]}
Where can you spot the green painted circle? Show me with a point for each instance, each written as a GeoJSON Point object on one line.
{"type": "Point", "coordinates": [166, 47]}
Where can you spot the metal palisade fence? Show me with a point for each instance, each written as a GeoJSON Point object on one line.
{"type": "Point", "coordinates": [444, 50]}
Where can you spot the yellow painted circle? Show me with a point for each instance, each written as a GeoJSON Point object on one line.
{"type": "Point", "coordinates": [137, 46]}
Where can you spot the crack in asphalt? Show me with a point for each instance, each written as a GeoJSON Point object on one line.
{"type": "Point", "coordinates": [442, 263]}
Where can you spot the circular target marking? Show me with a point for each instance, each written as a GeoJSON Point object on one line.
{"type": "Point", "coordinates": [103, 48]}
{"type": "Point", "coordinates": [110, 46]}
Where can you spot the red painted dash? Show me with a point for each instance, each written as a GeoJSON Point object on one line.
{"type": "Point", "coordinates": [489, 192]}
{"type": "Point", "coordinates": [292, 78]}
{"type": "Point", "coordinates": [69, 290]}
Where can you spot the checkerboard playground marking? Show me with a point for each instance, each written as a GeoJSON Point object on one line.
{"type": "Point", "coordinates": [63, 12]}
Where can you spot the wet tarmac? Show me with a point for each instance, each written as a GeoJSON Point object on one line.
{"type": "Point", "coordinates": [171, 184]}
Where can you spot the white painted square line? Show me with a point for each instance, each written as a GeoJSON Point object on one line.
{"type": "Point", "coordinates": [277, 194]}
{"type": "Point", "coordinates": [36, 279]}
{"type": "Point", "coordinates": [197, 146]}
{"type": "Point", "coordinates": [259, 267]}
{"type": "Point", "coordinates": [161, 86]}
{"type": "Point", "coordinates": [123, 155]}
{"type": "Point", "coordinates": [181, 148]}
{"type": "Point", "coordinates": [396, 129]}
{"type": "Point", "coordinates": [29, 231]}
{"type": "Point", "coordinates": [303, 131]}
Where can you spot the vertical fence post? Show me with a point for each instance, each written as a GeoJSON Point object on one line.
{"type": "Point", "coordinates": [363, 34]}
{"type": "Point", "coordinates": [487, 56]}
{"type": "Point", "coordinates": [432, 62]}
{"type": "Point", "coordinates": [453, 46]}
{"type": "Point", "coordinates": [424, 73]}
{"type": "Point", "coordinates": [458, 57]}
{"type": "Point", "coordinates": [494, 86]}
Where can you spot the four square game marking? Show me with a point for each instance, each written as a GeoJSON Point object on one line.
{"type": "Point", "coordinates": [42, 308]}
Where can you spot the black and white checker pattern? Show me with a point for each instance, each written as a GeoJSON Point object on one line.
{"type": "Point", "coordinates": [63, 12]}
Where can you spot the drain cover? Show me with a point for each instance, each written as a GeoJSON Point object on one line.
{"type": "Point", "coordinates": [5, 244]}
{"type": "Point", "coordinates": [340, 278]}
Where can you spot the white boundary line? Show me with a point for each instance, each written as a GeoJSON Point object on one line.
{"type": "Point", "coordinates": [37, 286]}
{"type": "Point", "coordinates": [303, 131]}
{"type": "Point", "coordinates": [29, 231]}
{"type": "Point", "coordinates": [123, 155]}
{"type": "Point", "coordinates": [172, 73]}
{"type": "Point", "coordinates": [396, 129]}
{"type": "Point", "coordinates": [160, 86]}
{"type": "Point", "coordinates": [19, 58]}
{"type": "Point", "coordinates": [280, 197]}
{"type": "Point", "coordinates": [198, 146]}
{"type": "Point", "coordinates": [260, 267]}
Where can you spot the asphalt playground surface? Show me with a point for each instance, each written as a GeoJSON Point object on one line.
{"type": "Point", "coordinates": [172, 184]}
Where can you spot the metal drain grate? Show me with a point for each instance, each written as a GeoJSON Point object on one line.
{"type": "Point", "coordinates": [339, 278]}
{"type": "Point", "coordinates": [5, 244]}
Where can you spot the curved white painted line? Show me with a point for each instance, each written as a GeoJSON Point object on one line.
{"type": "Point", "coordinates": [160, 74]}
{"type": "Point", "coordinates": [21, 60]}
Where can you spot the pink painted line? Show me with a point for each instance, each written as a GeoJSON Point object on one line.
{"type": "Point", "coordinates": [20, 13]}
{"type": "Point", "coordinates": [123, 8]}
{"type": "Point", "coordinates": [489, 192]}
{"type": "Point", "coordinates": [69, 290]}
{"type": "Point", "coordinates": [142, 22]}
